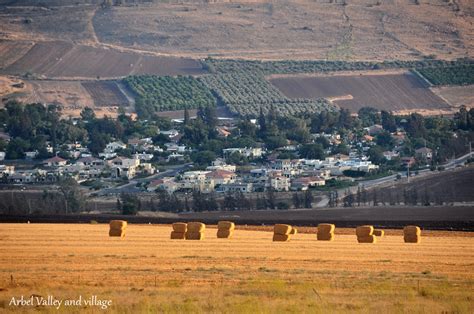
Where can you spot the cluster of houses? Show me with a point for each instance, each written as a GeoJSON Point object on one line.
{"type": "Point", "coordinates": [421, 154]}
{"type": "Point", "coordinates": [83, 169]}
{"type": "Point", "coordinates": [277, 175]}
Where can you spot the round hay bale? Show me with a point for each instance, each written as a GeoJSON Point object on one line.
{"type": "Point", "coordinates": [118, 224]}
{"type": "Point", "coordinates": [225, 225]}
{"type": "Point", "coordinates": [326, 228]}
{"type": "Point", "coordinates": [379, 233]}
{"type": "Point", "coordinates": [194, 235]}
{"type": "Point", "coordinates": [412, 238]}
{"type": "Point", "coordinates": [116, 233]}
{"type": "Point", "coordinates": [180, 227]}
{"type": "Point", "coordinates": [196, 227]}
{"type": "Point", "coordinates": [282, 229]}
{"type": "Point", "coordinates": [281, 237]}
{"type": "Point", "coordinates": [325, 236]}
{"type": "Point", "coordinates": [364, 231]}
{"type": "Point", "coordinates": [412, 230]}
{"type": "Point", "coordinates": [367, 239]}
{"type": "Point", "coordinates": [224, 234]}
{"type": "Point", "coordinates": [177, 235]}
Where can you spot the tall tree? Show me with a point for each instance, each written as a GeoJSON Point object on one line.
{"type": "Point", "coordinates": [388, 121]}
{"type": "Point", "coordinates": [308, 199]}
{"type": "Point", "coordinates": [186, 116]}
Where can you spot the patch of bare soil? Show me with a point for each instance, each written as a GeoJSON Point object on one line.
{"type": "Point", "coordinates": [392, 92]}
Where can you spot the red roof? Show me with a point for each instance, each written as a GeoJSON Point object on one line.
{"type": "Point", "coordinates": [220, 174]}
{"type": "Point", "coordinates": [54, 159]}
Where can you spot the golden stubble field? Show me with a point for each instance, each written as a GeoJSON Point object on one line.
{"type": "Point", "coordinates": [148, 272]}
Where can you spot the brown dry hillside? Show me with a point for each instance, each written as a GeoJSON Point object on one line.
{"type": "Point", "coordinates": [298, 29]}
{"type": "Point", "coordinates": [362, 29]}
{"type": "Point", "coordinates": [148, 272]}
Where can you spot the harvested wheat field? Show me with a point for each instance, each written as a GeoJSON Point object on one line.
{"type": "Point", "coordinates": [148, 272]}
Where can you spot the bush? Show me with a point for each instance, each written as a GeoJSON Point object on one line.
{"type": "Point", "coordinates": [283, 205]}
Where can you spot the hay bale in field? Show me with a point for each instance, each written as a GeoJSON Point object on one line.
{"type": "Point", "coordinates": [379, 233]}
{"type": "Point", "coordinates": [196, 227]}
{"type": "Point", "coordinates": [412, 230]}
{"type": "Point", "coordinates": [367, 239]}
{"type": "Point", "coordinates": [326, 228]}
{"type": "Point", "coordinates": [178, 235]}
{"type": "Point", "coordinates": [281, 237]}
{"type": "Point", "coordinates": [325, 236]}
{"type": "Point", "coordinates": [325, 232]}
{"type": "Point", "coordinates": [224, 234]}
{"type": "Point", "coordinates": [194, 235]}
{"type": "Point", "coordinates": [364, 231]}
{"type": "Point", "coordinates": [282, 229]}
{"type": "Point", "coordinates": [412, 238]}
{"type": "Point", "coordinates": [117, 233]}
{"type": "Point", "coordinates": [225, 225]}
{"type": "Point", "coordinates": [118, 224]}
{"type": "Point", "coordinates": [293, 231]}
{"type": "Point", "coordinates": [412, 234]}
{"type": "Point", "coordinates": [181, 227]}
{"type": "Point", "coordinates": [117, 228]}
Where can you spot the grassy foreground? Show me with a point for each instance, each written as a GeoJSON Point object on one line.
{"type": "Point", "coordinates": [147, 272]}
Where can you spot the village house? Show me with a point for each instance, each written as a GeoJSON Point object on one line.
{"type": "Point", "coordinates": [390, 155]}
{"type": "Point", "coordinates": [143, 156]}
{"type": "Point", "coordinates": [173, 147]}
{"type": "Point", "coordinates": [170, 133]}
{"type": "Point", "coordinates": [146, 168]}
{"type": "Point", "coordinates": [114, 146]}
{"type": "Point", "coordinates": [90, 162]}
{"type": "Point", "coordinates": [424, 153]}
{"type": "Point", "coordinates": [374, 129]}
{"type": "Point", "coordinates": [222, 131]}
{"type": "Point", "coordinates": [196, 180]}
{"type": "Point", "coordinates": [107, 155]}
{"type": "Point", "coordinates": [124, 167]}
{"type": "Point", "coordinates": [21, 178]}
{"type": "Point", "coordinates": [252, 152]}
{"type": "Point", "coordinates": [167, 184]}
{"type": "Point", "coordinates": [304, 183]}
{"type": "Point", "coordinates": [219, 164]}
{"type": "Point", "coordinates": [175, 157]}
{"type": "Point", "coordinates": [279, 183]}
{"type": "Point", "coordinates": [221, 177]}
{"type": "Point", "coordinates": [55, 161]}
{"type": "Point", "coordinates": [236, 187]}
{"type": "Point", "coordinates": [408, 161]}
{"type": "Point", "coordinates": [6, 170]}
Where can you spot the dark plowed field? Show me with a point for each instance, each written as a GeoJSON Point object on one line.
{"type": "Point", "coordinates": [62, 59]}
{"type": "Point", "coordinates": [393, 92]}
{"type": "Point", "coordinates": [40, 58]}
{"type": "Point", "coordinates": [435, 218]}
{"type": "Point", "coordinates": [10, 51]}
{"type": "Point", "coordinates": [105, 93]}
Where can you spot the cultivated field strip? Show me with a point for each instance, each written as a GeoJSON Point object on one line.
{"type": "Point", "coordinates": [60, 59]}
{"type": "Point", "coordinates": [106, 93]}
{"type": "Point", "coordinates": [393, 92]}
{"type": "Point", "coordinates": [10, 51]}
